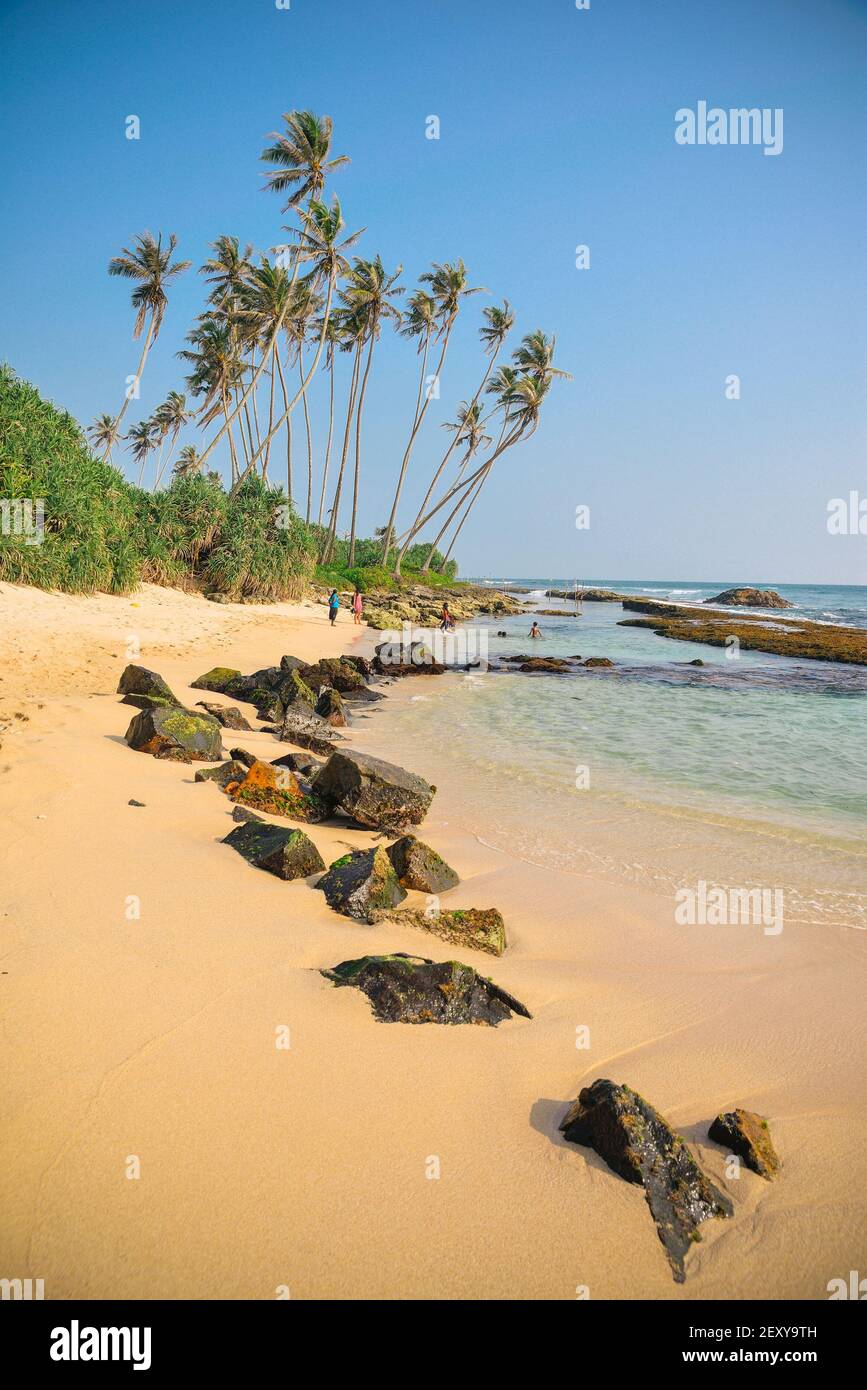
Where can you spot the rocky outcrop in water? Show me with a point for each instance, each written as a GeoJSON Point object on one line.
{"type": "Point", "coordinates": [372, 792]}
{"type": "Point", "coordinates": [419, 867]}
{"type": "Point", "coordinates": [746, 1134]}
{"type": "Point", "coordinates": [637, 1143]}
{"type": "Point", "coordinates": [412, 989]}
{"type": "Point", "coordinates": [289, 854]}
{"type": "Point", "coordinates": [480, 928]}
{"type": "Point", "coordinates": [171, 727]}
{"type": "Point", "coordinates": [750, 598]}
{"type": "Point", "coordinates": [360, 882]}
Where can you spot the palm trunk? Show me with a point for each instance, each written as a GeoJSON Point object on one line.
{"type": "Point", "coordinates": [328, 548]}
{"type": "Point", "coordinates": [470, 504]}
{"type": "Point", "coordinates": [126, 400]}
{"type": "Point", "coordinates": [358, 447]}
{"type": "Point", "coordinates": [416, 426]}
{"type": "Point", "coordinates": [330, 433]}
{"type": "Point", "coordinates": [309, 437]}
{"type": "Point", "coordinates": [270, 417]}
{"type": "Point", "coordinates": [288, 429]}
{"type": "Point", "coordinates": [232, 454]}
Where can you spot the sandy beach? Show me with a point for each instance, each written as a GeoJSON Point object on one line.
{"type": "Point", "coordinates": [264, 1169]}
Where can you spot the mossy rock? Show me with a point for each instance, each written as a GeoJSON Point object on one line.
{"type": "Point", "coordinates": [746, 1134]}
{"type": "Point", "coordinates": [358, 884]}
{"type": "Point", "coordinates": [480, 929]}
{"type": "Point", "coordinates": [419, 867]}
{"type": "Point", "coordinates": [289, 854]}
{"type": "Point", "coordinates": [276, 791]}
{"type": "Point", "coordinates": [161, 728]}
{"type": "Point", "coordinates": [412, 989]}
{"type": "Point", "coordinates": [138, 680]}
{"type": "Point", "coordinates": [218, 679]}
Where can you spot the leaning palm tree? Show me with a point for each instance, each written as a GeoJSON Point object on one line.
{"type": "Point", "coordinates": [170, 418]}
{"type": "Point", "coordinates": [469, 429]}
{"type": "Point", "coordinates": [448, 288]}
{"type": "Point", "coordinates": [104, 434]}
{"type": "Point", "coordinates": [332, 340]}
{"type": "Point", "coordinates": [217, 371]}
{"type": "Point", "coordinates": [152, 267]}
{"type": "Point", "coordinates": [142, 438]}
{"type": "Point", "coordinates": [301, 153]}
{"type": "Point", "coordinates": [496, 325]}
{"type": "Point", "coordinates": [299, 321]}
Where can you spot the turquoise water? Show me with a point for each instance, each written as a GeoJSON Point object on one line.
{"type": "Point", "coordinates": [749, 771]}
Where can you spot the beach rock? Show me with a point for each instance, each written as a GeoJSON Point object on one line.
{"type": "Point", "coordinates": [307, 730]}
{"type": "Point", "coordinates": [171, 753]}
{"type": "Point", "coordinates": [334, 671]}
{"type": "Point", "coordinates": [359, 883]}
{"type": "Point", "coordinates": [227, 715]}
{"type": "Point", "coordinates": [361, 664]}
{"type": "Point", "coordinates": [637, 1143]}
{"type": "Point", "coordinates": [304, 763]}
{"type": "Point", "coordinates": [481, 928]}
{"type": "Point", "coordinates": [412, 989]}
{"type": "Point", "coordinates": [242, 756]}
{"type": "Point", "coordinates": [276, 791]}
{"type": "Point", "coordinates": [555, 664]}
{"type": "Point", "coordinates": [132, 802]}
{"type": "Point", "coordinates": [331, 708]}
{"type": "Point", "coordinates": [218, 679]}
{"type": "Point", "coordinates": [406, 659]}
{"type": "Point", "coordinates": [287, 853]}
{"type": "Point", "coordinates": [597, 661]}
{"type": "Point", "coordinates": [420, 867]}
{"type": "Point", "coordinates": [241, 814]}
{"type": "Point", "coordinates": [750, 598]}
{"type": "Point", "coordinates": [373, 792]}
{"type": "Point", "coordinates": [232, 771]}
{"type": "Point", "coordinates": [291, 663]}
{"type": "Point", "coordinates": [363, 695]}
{"type": "Point", "coordinates": [174, 727]}
{"type": "Point", "coordinates": [139, 681]}
{"type": "Point", "coordinates": [294, 690]}
{"type": "Point", "coordinates": [746, 1134]}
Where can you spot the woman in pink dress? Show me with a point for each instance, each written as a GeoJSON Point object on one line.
{"type": "Point", "coordinates": [357, 605]}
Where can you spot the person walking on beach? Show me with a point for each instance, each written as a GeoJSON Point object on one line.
{"type": "Point", "coordinates": [357, 606]}
{"type": "Point", "coordinates": [447, 622]}
{"type": "Point", "coordinates": [534, 631]}
{"type": "Point", "coordinates": [333, 607]}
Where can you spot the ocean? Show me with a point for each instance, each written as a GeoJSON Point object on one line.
{"type": "Point", "coordinates": [747, 772]}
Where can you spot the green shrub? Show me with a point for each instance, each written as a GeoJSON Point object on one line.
{"type": "Point", "coordinates": [264, 550]}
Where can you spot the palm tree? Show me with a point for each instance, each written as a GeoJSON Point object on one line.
{"type": "Point", "coordinates": [469, 429]}
{"type": "Point", "coordinates": [496, 326]}
{"type": "Point", "coordinates": [448, 287]}
{"type": "Point", "coordinates": [298, 322]}
{"type": "Point", "coordinates": [300, 153]}
{"type": "Point", "coordinates": [217, 370]}
{"type": "Point", "coordinates": [226, 271]}
{"type": "Point", "coordinates": [319, 247]}
{"type": "Point", "coordinates": [187, 462]}
{"type": "Point", "coordinates": [265, 300]}
{"type": "Point", "coordinates": [142, 439]}
{"type": "Point", "coordinates": [332, 340]}
{"type": "Point", "coordinates": [350, 339]}
{"type": "Point", "coordinates": [152, 267]}
{"type": "Point", "coordinates": [170, 418]}
{"type": "Point", "coordinates": [104, 434]}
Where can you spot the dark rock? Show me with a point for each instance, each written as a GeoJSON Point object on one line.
{"type": "Point", "coordinates": [276, 791]}
{"type": "Point", "coordinates": [232, 771]}
{"type": "Point", "coordinates": [292, 663]}
{"type": "Point", "coordinates": [304, 763]}
{"type": "Point", "coordinates": [241, 814]}
{"type": "Point", "coordinates": [173, 727]}
{"type": "Point", "coordinates": [554, 664]}
{"type": "Point", "coordinates": [331, 708]}
{"type": "Point", "coordinates": [359, 883]}
{"type": "Point", "coordinates": [138, 680]}
{"type": "Point", "coordinates": [750, 598]}
{"type": "Point", "coordinates": [218, 679]}
{"type": "Point", "coordinates": [132, 802]}
{"type": "Point", "coordinates": [242, 756]}
{"type": "Point", "coordinates": [746, 1134]}
{"type": "Point", "coordinates": [420, 867]}
{"type": "Point", "coordinates": [502, 634]}
{"type": "Point", "coordinates": [287, 853]}
{"type": "Point", "coordinates": [597, 661]}
{"type": "Point", "coordinates": [334, 671]}
{"type": "Point", "coordinates": [361, 664]}
{"type": "Point", "coordinates": [149, 702]}
{"type": "Point", "coordinates": [227, 715]}
{"type": "Point", "coordinates": [294, 690]}
{"type": "Point", "coordinates": [412, 989]}
{"type": "Point", "coordinates": [400, 659]}
{"type": "Point", "coordinates": [171, 753]}
{"type": "Point", "coordinates": [373, 792]}
{"type": "Point", "coordinates": [362, 695]}
{"type": "Point", "coordinates": [637, 1143]}
{"type": "Point", "coordinates": [307, 730]}
{"type": "Point", "coordinates": [480, 928]}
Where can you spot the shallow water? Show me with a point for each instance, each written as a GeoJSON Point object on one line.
{"type": "Point", "coordinates": [746, 772]}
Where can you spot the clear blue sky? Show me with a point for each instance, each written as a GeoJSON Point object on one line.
{"type": "Point", "coordinates": [557, 128]}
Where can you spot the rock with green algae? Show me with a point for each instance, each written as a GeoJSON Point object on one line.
{"type": "Point", "coordinates": [746, 1134]}
{"type": "Point", "coordinates": [306, 730]}
{"type": "Point", "coordinates": [479, 928]}
{"type": "Point", "coordinates": [218, 679]}
{"type": "Point", "coordinates": [138, 681]}
{"type": "Point", "coordinates": [289, 854]}
{"type": "Point", "coordinates": [413, 989]}
{"type": "Point", "coordinates": [637, 1143]}
{"type": "Point", "coordinates": [171, 726]}
{"type": "Point", "coordinates": [227, 715]}
{"type": "Point", "coordinates": [419, 867]}
{"type": "Point", "coordinates": [275, 790]}
{"type": "Point", "coordinates": [232, 771]}
{"type": "Point", "coordinates": [331, 708]}
{"type": "Point", "coordinates": [358, 884]}
{"type": "Point", "coordinates": [373, 792]}
{"type": "Point", "coordinates": [340, 674]}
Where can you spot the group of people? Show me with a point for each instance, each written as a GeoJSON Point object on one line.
{"type": "Point", "coordinates": [357, 606]}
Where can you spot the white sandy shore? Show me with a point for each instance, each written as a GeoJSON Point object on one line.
{"type": "Point", "coordinates": [306, 1168]}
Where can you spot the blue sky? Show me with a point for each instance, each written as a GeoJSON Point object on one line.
{"type": "Point", "coordinates": [557, 129]}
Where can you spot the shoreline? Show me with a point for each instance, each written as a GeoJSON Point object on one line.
{"type": "Point", "coordinates": [308, 1168]}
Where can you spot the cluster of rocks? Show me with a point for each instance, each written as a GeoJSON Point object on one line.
{"type": "Point", "coordinates": [386, 609]}
{"type": "Point", "coordinates": [639, 1145]}
{"type": "Point", "coordinates": [556, 665]}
